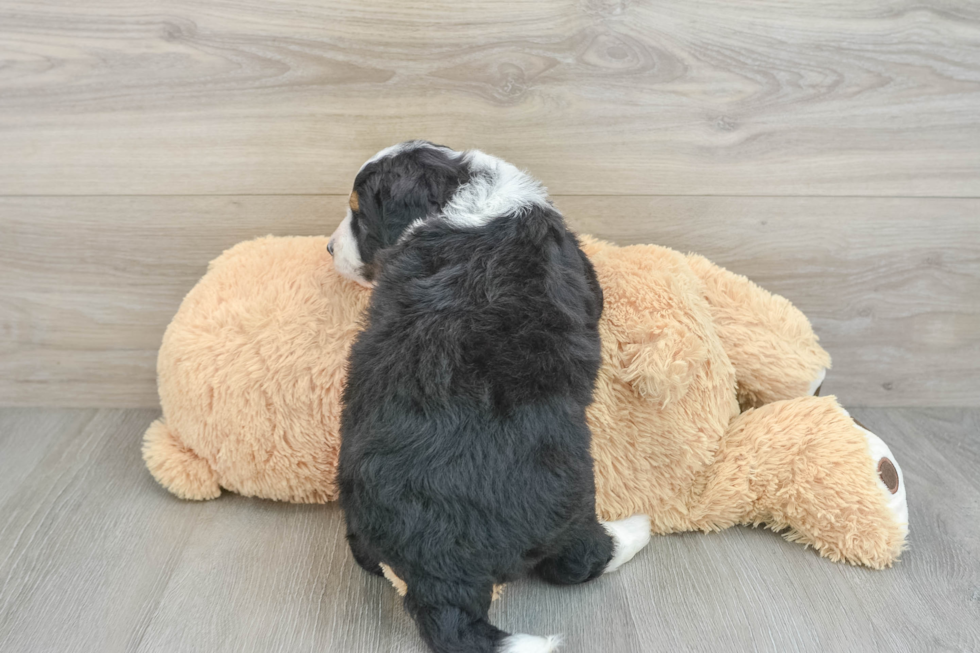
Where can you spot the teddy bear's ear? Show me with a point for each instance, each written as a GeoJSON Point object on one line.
{"type": "Point", "coordinates": [663, 365]}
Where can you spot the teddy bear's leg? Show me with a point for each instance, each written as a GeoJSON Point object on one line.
{"type": "Point", "coordinates": [176, 467]}
{"type": "Point", "coordinates": [804, 466]}
{"type": "Point", "coordinates": [769, 341]}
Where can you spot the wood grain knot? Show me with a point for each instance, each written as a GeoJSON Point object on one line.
{"type": "Point", "coordinates": [614, 52]}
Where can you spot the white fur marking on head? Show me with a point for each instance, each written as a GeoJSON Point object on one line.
{"type": "Point", "coordinates": [495, 188]}
{"type": "Point", "coordinates": [346, 253]}
{"type": "Point", "coordinates": [629, 536]}
{"type": "Point", "coordinates": [529, 644]}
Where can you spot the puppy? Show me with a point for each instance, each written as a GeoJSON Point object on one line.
{"type": "Point", "coordinates": [465, 452]}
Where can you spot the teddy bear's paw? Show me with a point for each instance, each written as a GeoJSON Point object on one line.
{"type": "Point", "coordinates": [817, 383]}
{"type": "Point", "coordinates": [176, 466]}
{"type": "Point", "coordinates": [529, 644]}
{"type": "Point", "coordinates": [629, 536]}
{"type": "Point", "coordinates": [889, 477]}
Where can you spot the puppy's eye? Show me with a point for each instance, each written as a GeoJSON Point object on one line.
{"type": "Point", "coordinates": [353, 202]}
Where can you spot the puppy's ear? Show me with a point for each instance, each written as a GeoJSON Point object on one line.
{"type": "Point", "coordinates": [428, 179]}
{"type": "Point", "coordinates": [408, 200]}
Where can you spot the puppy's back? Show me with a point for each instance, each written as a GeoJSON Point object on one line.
{"type": "Point", "coordinates": [507, 311]}
{"type": "Point", "coordinates": [465, 449]}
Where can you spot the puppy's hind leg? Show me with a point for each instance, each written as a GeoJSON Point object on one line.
{"type": "Point", "coordinates": [596, 548]}
{"type": "Point", "coordinates": [452, 618]}
{"type": "Point", "coordinates": [584, 556]}
{"type": "Point", "coordinates": [629, 536]}
{"type": "Point", "coordinates": [363, 555]}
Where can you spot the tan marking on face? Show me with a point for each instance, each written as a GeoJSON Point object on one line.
{"type": "Point", "coordinates": [354, 203]}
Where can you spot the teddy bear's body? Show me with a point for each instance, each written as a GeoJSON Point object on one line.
{"type": "Point", "coordinates": [252, 367]}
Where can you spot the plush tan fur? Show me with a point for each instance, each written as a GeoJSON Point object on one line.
{"type": "Point", "coordinates": [250, 375]}
{"type": "Point", "coordinates": [252, 366]}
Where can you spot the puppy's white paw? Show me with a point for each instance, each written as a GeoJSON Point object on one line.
{"type": "Point", "coordinates": [629, 536]}
{"type": "Point", "coordinates": [529, 644]}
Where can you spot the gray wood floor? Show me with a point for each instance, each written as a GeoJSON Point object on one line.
{"type": "Point", "coordinates": [94, 556]}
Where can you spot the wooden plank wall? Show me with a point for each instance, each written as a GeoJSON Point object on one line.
{"type": "Point", "coordinates": [828, 149]}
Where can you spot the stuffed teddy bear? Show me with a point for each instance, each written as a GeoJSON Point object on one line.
{"type": "Point", "coordinates": [704, 415]}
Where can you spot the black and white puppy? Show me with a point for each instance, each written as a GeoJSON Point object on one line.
{"type": "Point", "coordinates": [465, 455]}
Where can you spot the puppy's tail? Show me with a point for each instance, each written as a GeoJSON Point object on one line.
{"type": "Point", "coordinates": [529, 644]}
{"type": "Point", "coordinates": [449, 628]}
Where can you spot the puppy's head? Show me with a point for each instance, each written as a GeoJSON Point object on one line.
{"type": "Point", "coordinates": [393, 189]}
